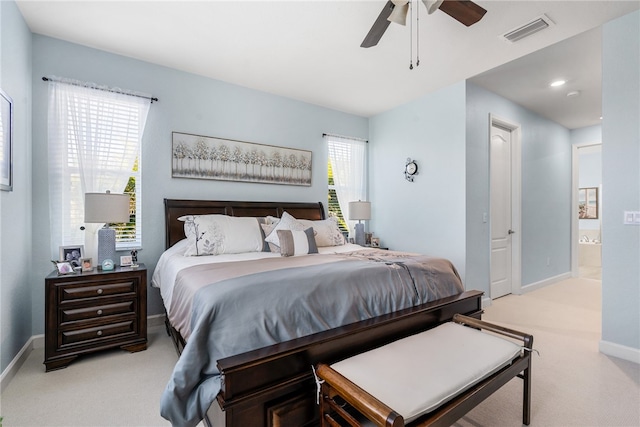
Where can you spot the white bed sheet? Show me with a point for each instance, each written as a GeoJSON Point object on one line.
{"type": "Point", "coordinates": [173, 260]}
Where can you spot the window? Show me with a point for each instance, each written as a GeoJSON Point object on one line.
{"type": "Point", "coordinates": [346, 176]}
{"type": "Point", "coordinates": [94, 146]}
{"type": "Point", "coordinates": [333, 206]}
{"type": "Point", "coordinates": [129, 235]}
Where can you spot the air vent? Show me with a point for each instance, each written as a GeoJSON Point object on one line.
{"type": "Point", "coordinates": [532, 27]}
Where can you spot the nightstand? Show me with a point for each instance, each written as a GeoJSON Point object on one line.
{"type": "Point", "coordinates": [92, 311]}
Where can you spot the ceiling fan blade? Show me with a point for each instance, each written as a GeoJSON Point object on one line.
{"type": "Point", "coordinates": [379, 26]}
{"type": "Point", "coordinates": [464, 11]}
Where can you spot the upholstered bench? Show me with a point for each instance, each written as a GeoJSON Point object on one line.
{"type": "Point", "coordinates": [432, 378]}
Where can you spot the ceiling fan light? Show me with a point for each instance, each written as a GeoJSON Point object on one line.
{"type": "Point", "coordinates": [399, 14]}
{"type": "Point", "coordinates": [432, 5]}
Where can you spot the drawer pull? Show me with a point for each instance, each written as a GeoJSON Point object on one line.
{"type": "Point", "coordinates": [99, 312]}
{"type": "Point", "coordinates": [100, 291]}
{"type": "Point", "coordinates": [99, 333]}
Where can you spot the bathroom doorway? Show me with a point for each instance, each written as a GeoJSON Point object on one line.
{"type": "Point", "coordinates": [587, 211]}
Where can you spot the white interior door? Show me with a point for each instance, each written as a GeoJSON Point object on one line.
{"type": "Point", "coordinates": [501, 211]}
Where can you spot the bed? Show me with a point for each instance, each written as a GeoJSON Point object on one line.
{"type": "Point", "coordinates": [229, 377]}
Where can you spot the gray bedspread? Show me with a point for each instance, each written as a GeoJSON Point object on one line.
{"type": "Point", "coordinates": [283, 301]}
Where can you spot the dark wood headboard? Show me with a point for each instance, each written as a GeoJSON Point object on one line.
{"type": "Point", "coordinates": [173, 209]}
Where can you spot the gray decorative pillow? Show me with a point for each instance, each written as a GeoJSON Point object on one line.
{"type": "Point", "coordinates": [295, 242]}
{"type": "Point", "coordinates": [266, 230]}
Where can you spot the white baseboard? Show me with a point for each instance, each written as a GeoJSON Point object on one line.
{"type": "Point", "coordinates": [37, 341]}
{"type": "Point", "coordinates": [155, 320]}
{"type": "Point", "coordinates": [546, 282]}
{"type": "Point", "coordinates": [486, 302]}
{"type": "Point", "coordinates": [620, 351]}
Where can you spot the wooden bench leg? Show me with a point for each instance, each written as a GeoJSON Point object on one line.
{"type": "Point", "coordinates": [526, 394]}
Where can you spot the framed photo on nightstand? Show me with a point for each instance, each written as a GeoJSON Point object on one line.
{"type": "Point", "coordinates": [87, 264]}
{"type": "Point", "coordinates": [125, 261]}
{"type": "Point", "coordinates": [64, 267]}
{"type": "Point", "coordinates": [72, 254]}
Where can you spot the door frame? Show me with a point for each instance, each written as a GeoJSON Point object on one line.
{"type": "Point", "coordinates": [516, 198]}
{"type": "Point", "coordinates": [575, 221]}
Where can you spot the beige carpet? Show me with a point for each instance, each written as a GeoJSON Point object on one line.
{"type": "Point", "coordinates": [573, 384]}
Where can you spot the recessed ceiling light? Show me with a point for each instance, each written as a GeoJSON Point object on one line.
{"type": "Point", "coordinates": [573, 93]}
{"type": "Point", "coordinates": [557, 83]}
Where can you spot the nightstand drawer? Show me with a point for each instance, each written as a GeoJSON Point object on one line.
{"type": "Point", "coordinates": [95, 333]}
{"type": "Point", "coordinates": [96, 311]}
{"type": "Point", "coordinates": [95, 289]}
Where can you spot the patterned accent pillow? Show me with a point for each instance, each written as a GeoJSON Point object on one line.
{"type": "Point", "coordinates": [221, 234]}
{"type": "Point", "coordinates": [295, 242]}
{"type": "Point", "coordinates": [287, 222]}
{"type": "Point", "coordinates": [327, 231]}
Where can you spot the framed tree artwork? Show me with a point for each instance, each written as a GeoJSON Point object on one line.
{"type": "Point", "coordinates": [205, 157]}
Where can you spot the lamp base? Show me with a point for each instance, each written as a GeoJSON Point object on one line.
{"type": "Point", "coordinates": [106, 245]}
{"type": "Point", "coordinates": [360, 234]}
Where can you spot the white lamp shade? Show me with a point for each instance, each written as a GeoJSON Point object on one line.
{"type": "Point", "coordinates": [106, 208]}
{"type": "Point", "coordinates": [359, 210]}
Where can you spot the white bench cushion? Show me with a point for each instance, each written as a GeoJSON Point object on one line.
{"type": "Point", "coordinates": [417, 374]}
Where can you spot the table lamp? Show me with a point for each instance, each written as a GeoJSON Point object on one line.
{"type": "Point", "coordinates": [359, 211]}
{"type": "Point", "coordinates": [106, 208]}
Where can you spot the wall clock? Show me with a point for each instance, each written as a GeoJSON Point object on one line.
{"type": "Point", "coordinates": [410, 169]}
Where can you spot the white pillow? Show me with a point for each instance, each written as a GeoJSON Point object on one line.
{"type": "Point", "coordinates": [326, 231]}
{"type": "Point", "coordinates": [287, 222]}
{"type": "Point", "coordinates": [221, 234]}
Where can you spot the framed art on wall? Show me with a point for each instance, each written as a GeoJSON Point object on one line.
{"type": "Point", "coordinates": [588, 203]}
{"type": "Point", "coordinates": [6, 142]}
{"type": "Point", "coordinates": [205, 157]}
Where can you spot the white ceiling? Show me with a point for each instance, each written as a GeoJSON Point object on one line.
{"type": "Point", "coordinates": [310, 50]}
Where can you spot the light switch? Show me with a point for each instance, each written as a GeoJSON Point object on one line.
{"type": "Point", "coordinates": [631, 218]}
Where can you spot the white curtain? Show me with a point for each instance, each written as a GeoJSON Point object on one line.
{"type": "Point", "coordinates": [349, 164]}
{"type": "Point", "coordinates": [94, 139]}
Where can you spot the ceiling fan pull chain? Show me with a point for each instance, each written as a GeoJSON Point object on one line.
{"type": "Point", "coordinates": [418, 37]}
{"type": "Point", "coordinates": [411, 37]}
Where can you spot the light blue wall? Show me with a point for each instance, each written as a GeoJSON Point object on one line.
{"type": "Point", "coordinates": [187, 103]}
{"type": "Point", "coordinates": [546, 190]}
{"type": "Point", "coordinates": [621, 181]}
{"type": "Point", "coordinates": [427, 215]}
{"type": "Point", "coordinates": [15, 206]}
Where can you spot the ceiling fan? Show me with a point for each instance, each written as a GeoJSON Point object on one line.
{"type": "Point", "coordinates": [464, 11]}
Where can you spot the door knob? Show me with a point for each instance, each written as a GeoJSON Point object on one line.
{"type": "Point", "coordinates": [511, 231]}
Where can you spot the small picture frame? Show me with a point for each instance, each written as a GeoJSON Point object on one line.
{"type": "Point", "coordinates": [375, 242]}
{"type": "Point", "coordinates": [126, 261]}
{"type": "Point", "coordinates": [72, 254]}
{"type": "Point", "coordinates": [64, 267]}
{"type": "Point", "coordinates": [367, 239]}
{"type": "Point", "coordinates": [87, 264]}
